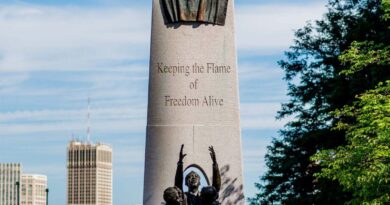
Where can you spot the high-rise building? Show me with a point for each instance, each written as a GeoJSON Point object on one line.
{"type": "Point", "coordinates": [33, 189]}
{"type": "Point", "coordinates": [9, 176]}
{"type": "Point", "coordinates": [89, 174]}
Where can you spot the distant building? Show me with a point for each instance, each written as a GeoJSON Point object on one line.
{"type": "Point", "coordinates": [33, 189]}
{"type": "Point", "coordinates": [89, 174]}
{"type": "Point", "coordinates": [9, 174]}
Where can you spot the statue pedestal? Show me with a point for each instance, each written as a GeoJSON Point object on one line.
{"type": "Point", "coordinates": [193, 100]}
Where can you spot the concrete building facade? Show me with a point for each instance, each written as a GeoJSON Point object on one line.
{"type": "Point", "coordinates": [33, 189]}
{"type": "Point", "coordinates": [10, 173]}
{"type": "Point", "coordinates": [89, 179]}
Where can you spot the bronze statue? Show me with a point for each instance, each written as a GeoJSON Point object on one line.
{"type": "Point", "coordinates": [174, 196]}
{"type": "Point", "coordinates": [209, 196]}
{"type": "Point", "coordinates": [192, 181]}
{"type": "Point", "coordinates": [204, 11]}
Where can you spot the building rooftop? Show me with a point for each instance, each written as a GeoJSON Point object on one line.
{"type": "Point", "coordinates": [83, 143]}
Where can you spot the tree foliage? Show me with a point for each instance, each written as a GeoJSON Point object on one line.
{"type": "Point", "coordinates": [320, 82]}
{"type": "Point", "coordinates": [363, 165]}
{"type": "Point", "coordinates": [364, 54]}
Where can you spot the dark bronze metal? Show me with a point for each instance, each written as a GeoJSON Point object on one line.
{"type": "Point", "coordinates": [203, 11]}
{"type": "Point", "coordinates": [208, 195]}
{"type": "Point", "coordinates": [173, 196]}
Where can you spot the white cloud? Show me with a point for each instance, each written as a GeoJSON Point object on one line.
{"type": "Point", "coordinates": [74, 39]}
{"type": "Point", "coordinates": [60, 115]}
{"type": "Point", "coordinates": [113, 120]}
{"type": "Point", "coordinates": [263, 71]}
{"type": "Point", "coordinates": [260, 116]}
{"type": "Point", "coordinates": [254, 158]}
{"type": "Point", "coordinates": [119, 119]}
{"type": "Point", "coordinates": [86, 42]}
{"type": "Point", "coordinates": [45, 169]}
{"type": "Point", "coordinates": [268, 28]}
{"type": "Point", "coordinates": [70, 38]}
{"type": "Point", "coordinates": [10, 81]}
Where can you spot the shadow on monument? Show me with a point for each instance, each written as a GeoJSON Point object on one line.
{"type": "Point", "coordinates": [232, 192]}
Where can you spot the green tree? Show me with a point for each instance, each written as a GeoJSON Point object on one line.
{"type": "Point", "coordinates": [362, 166]}
{"type": "Point", "coordinates": [318, 84]}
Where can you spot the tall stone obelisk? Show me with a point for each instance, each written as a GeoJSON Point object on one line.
{"type": "Point", "coordinates": [193, 100]}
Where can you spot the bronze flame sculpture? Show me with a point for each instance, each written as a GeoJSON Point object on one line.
{"type": "Point", "coordinates": [203, 11]}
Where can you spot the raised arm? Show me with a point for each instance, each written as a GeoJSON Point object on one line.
{"type": "Point", "coordinates": [179, 170]}
{"type": "Point", "coordinates": [216, 173]}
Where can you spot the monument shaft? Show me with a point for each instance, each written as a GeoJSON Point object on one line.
{"type": "Point", "coordinates": [193, 100]}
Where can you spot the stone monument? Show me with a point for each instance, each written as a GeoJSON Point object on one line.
{"type": "Point", "coordinates": [193, 100]}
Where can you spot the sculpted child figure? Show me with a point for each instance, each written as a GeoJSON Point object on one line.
{"type": "Point", "coordinates": [209, 196]}
{"type": "Point", "coordinates": [174, 196]}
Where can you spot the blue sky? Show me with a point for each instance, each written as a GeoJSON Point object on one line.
{"type": "Point", "coordinates": [54, 54]}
